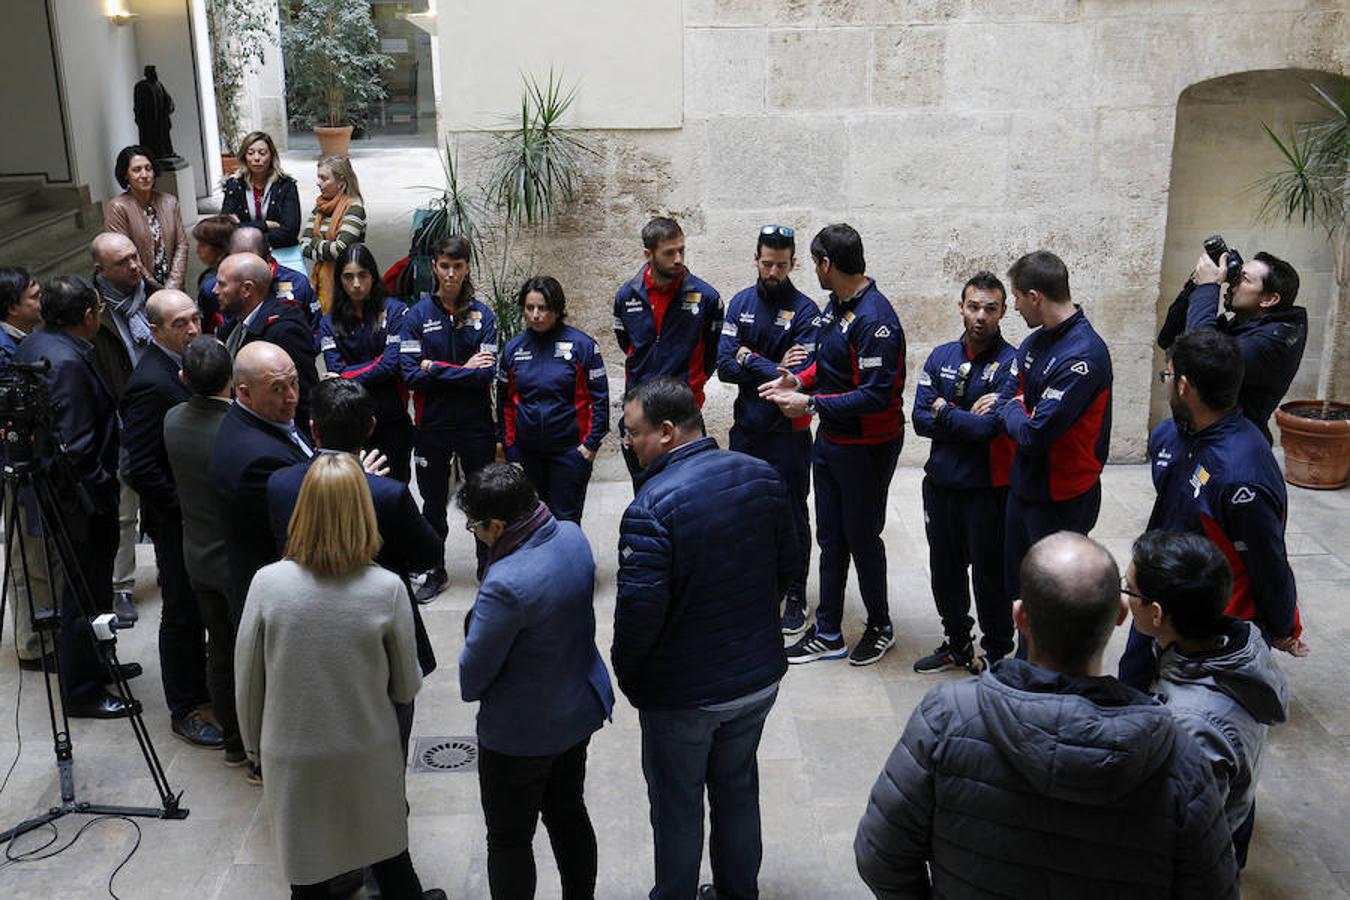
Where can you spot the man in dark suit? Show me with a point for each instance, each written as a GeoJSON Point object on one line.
{"type": "Point", "coordinates": [189, 433]}
{"type": "Point", "coordinates": [154, 389]}
{"type": "Point", "coordinates": [86, 489]}
{"type": "Point", "coordinates": [244, 288]}
{"type": "Point", "coordinates": [257, 437]}
{"type": "Point", "coordinates": [343, 417]}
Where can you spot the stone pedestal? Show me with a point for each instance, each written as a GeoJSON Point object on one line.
{"type": "Point", "coordinates": [181, 183]}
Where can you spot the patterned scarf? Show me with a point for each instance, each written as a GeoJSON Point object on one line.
{"type": "Point", "coordinates": [130, 307]}
{"type": "Point", "coordinates": [328, 211]}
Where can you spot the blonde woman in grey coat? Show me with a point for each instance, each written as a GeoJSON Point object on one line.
{"type": "Point", "coordinates": [325, 649]}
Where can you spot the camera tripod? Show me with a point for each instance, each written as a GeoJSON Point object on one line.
{"type": "Point", "coordinates": [25, 481]}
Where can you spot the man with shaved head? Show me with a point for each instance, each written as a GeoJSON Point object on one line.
{"type": "Point", "coordinates": [153, 390]}
{"type": "Point", "coordinates": [244, 289]}
{"type": "Point", "coordinates": [1048, 752]}
{"type": "Point", "coordinates": [123, 335]}
{"type": "Point", "coordinates": [292, 288]}
{"type": "Point", "coordinates": [257, 436]}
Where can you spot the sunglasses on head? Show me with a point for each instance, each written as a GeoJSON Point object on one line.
{"type": "Point", "coordinates": [781, 230]}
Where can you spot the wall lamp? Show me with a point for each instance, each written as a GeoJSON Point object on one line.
{"type": "Point", "coordinates": [117, 13]}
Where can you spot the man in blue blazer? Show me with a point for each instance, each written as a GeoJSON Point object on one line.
{"type": "Point", "coordinates": [257, 437]}
{"type": "Point", "coordinates": [153, 389]}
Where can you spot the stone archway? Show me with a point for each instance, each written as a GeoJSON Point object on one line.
{"type": "Point", "coordinates": [1219, 152]}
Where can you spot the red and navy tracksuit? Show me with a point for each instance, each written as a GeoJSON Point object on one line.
{"type": "Point", "coordinates": [369, 355]}
{"type": "Point", "coordinates": [857, 378]}
{"type": "Point", "coordinates": [1224, 482]}
{"type": "Point", "coordinates": [965, 489]}
{"type": "Point", "coordinates": [553, 397]}
{"type": "Point", "coordinates": [452, 405]}
{"type": "Point", "coordinates": [768, 324]}
{"type": "Point", "coordinates": [1060, 423]}
{"type": "Point", "coordinates": [666, 331]}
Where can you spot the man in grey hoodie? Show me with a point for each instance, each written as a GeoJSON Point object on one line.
{"type": "Point", "coordinates": [1042, 777]}
{"type": "Point", "coordinates": [1215, 673]}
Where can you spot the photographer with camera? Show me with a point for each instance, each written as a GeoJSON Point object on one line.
{"type": "Point", "coordinates": [84, 421]}
{"type": "Point", "coordinates": [1270, 330]}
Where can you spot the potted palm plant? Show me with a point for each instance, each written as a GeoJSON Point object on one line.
{"type": "Point", "coordinates": [1312, 187]}
{"type": "Point", "coordinates": [333, 66]}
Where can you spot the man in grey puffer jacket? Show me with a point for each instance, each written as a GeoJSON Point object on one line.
{"type": "Point", "coordinates": [1044, 778]}
{"type": "Point", "coordinates": [1215, 673]}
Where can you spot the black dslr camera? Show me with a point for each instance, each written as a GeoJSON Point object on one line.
{"type": "Point", "coordinates": [1215, 248]}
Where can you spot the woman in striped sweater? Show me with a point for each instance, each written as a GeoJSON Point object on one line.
{"type": "Point", "coordinates": [339, 220]}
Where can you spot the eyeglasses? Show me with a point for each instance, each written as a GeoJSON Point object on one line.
{"type": "Point", "coordinates": [1164, 376]}
{"type": "Point", "coordinates": [781, 230]}
{"type": "Point", "coordinates": [470, 525]}
{"type": "Point", "coordinates": [1125, 589]}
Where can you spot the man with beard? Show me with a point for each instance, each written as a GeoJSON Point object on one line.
{"type": "Point", "coordinates": [770, 325]}
{"type": "Point", "coordinates": [1216, 475]}
{"type": "Point", "coordinates": [665, 320]}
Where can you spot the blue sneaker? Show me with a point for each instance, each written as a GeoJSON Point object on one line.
{"type": "Point", "coordinates": [812, 647]}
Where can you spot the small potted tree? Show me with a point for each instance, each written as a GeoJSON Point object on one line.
{"type": "Point", "coordinates": [1312, 187]}
{"type": "Point", "coordinates": [333, 66]}
{"type": "Point", "coordinates": [240, 34]}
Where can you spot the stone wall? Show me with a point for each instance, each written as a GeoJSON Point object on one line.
{"type": "Point", "coordinates": [954, 134]}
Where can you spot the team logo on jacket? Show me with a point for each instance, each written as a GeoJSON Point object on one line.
{"type": "Point", "coordinates": [1080, 367]}
{"type": "Point", "coordinates": [747, 318]}
{"type": "Point", "coordinates": [475, 319]}
{"type": "Point", "coordinates": [845, 321]}
{"type": "Point", "coordinates": [562, 350]}
{"type": "Point", "coordinates": [632, 304]}
{"type": "Point", "coordinates": [523, 355]}
{"type": "Point", "coordinates": [691, 300]}
{"type": "Point", "coordinates": [432, 326]}
{"type": "Point", "coordinates": [1243, 494]}
{"type": "Point", "coordinates": [882, 332]}
{"type": "Point", "coordinates": [784, 318]}
{"type": "Point", "coordinates": [1163, 459]}
{"type": "Point", "coordinates": [285, 291]}
{"type": "Point", "coordinates": [1199, 478]}
{"type": "Point", "coordinates": [989, 371]}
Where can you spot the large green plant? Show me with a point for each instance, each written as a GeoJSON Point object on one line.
{"type": "Point", "coordinates": [241, 31]}
{"type": "Point", "coordinates": [333, 62]}
{"type": "Point", "coordinates": [1312, 187]}
{"type": "Point", "coordinates": [534, 172]}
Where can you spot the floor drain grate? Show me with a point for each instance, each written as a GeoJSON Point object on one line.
{"type": "Point", "coordinates": [445, 754]}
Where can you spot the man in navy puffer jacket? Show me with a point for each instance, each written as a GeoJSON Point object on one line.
{"type": "Point", "coordinates": [706, 550]}
{"type": "Point", "coordinates": [1042, 778]}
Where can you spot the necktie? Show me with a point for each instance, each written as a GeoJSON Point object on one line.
{"type": "Point", "coordinates": [236, 339]}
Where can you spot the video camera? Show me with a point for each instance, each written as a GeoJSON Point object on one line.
{"type": "Point", "coordinates": [26, 417]}
{"type": "Point", "coordinates": [1215, 247]}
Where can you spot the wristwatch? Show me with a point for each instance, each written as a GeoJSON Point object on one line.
{"type": "Point", "coordinates": [810, 406]}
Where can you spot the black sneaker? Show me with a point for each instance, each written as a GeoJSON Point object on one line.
{"type": "Point", "coordinates": [872, 646]}
{"type": "Point", "coordinates": [431, 586]}
{"type": "Point", "coordinates": [944, 658]}
{"type": "Point", "coordinates": [811, 647]}
{"type": "Point", "coordinates": [794, 615]}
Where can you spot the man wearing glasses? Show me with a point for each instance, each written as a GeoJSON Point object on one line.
{"type": "Point", "coordinates": [771, 326]}
{"type": "Point", "coordinates": [1215, 475]}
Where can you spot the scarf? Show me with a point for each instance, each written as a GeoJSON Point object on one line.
{"type": "Point", "coordinates": [130, 307]}
{"type": "Point", "coordinates": [519, 532]}
{"type": "Point", "coordinates": [328, 211]}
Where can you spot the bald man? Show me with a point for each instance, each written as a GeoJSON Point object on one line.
{"type": "Point", "coordinates": [292, 288]}
{"type": "Point", "coordinates": [153, 390]}
{"type": "Point", "coordinates": [257, 436]}
{"type": "Point", "coordinates": [244, 290]}
{"type": "Point", "coordinates": [1048, 752]}
{"type": "Point", "coordinates": [123, 335]}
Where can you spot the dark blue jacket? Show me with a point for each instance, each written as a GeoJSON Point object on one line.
{"type": "Point", "coordinates": [84, 412]}
{"type": "Point", "coordinates": [153, 390]}
{"type": "Point", "coordinates": [552, 392]}
{"type": "Point", "coordinates": [369, 356]}
{"type": "Point", "coordinates": [293, 289]}
{"type": "Point", "coordinates": [448, 395]}
{"type": "Point", "coordinates": [755, 322]}
{"type": "Point", "coordinates": [705, 553]}
{"type": "Point", "coordinates": [530, 655]}
{"type": "Point", "coordinates": [8, 347]}
{"type": "Point", "coordinates": [284, 326]}
{"type": "Point", "coordinates": [686, 345]}
{"type": "Point", "coordinates": [968, 451]}
{"type": "Point", "coordinates": [282, 207]}
{"type": "Point", "coordinates": [408, 543]}
{"type": "Point", "coordinates": [859, 370]}
{"type": "Point", "coordinates": [246, 452]}
{"type": "Point", "coordinates": [1061, 418]}
{"type": "Point", "coordinates": [1272, 347]}
{"type": "Point", "coordinates": [1225, 483]}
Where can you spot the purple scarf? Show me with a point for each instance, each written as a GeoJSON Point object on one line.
{"type": "Point", "coordinates": [518, 533]}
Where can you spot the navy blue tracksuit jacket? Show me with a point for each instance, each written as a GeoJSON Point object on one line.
{"type": "Point", "coordinates": [448, 395]}
{"type": "Point", "coordinates": [552, 392]}
{"type": "Point", "coordinates": [369, 355]}
{"type": "Point", "coordinates": [753, 320]}
{"type": "Point", "coordinates": [685, 345]}
{"type": "Point", "coordinates": [968, 451]}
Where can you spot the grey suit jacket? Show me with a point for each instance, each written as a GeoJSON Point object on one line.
{"type": "Point", "coordinates": [189, 431]}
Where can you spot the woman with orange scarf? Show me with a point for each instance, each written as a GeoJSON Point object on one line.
{"type": "Point", "coordinates": [339, 219]}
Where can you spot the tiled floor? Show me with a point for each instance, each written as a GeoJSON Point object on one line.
{"type": "Point", "coordinates": [831, 730]}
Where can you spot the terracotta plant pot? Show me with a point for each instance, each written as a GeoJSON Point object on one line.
{"type": "Point", "coordinates": [333, 141]}
{"type": "Point", "coordinates": [228, 164]}
{"type": "Point", "coordinates": [1316, 451]}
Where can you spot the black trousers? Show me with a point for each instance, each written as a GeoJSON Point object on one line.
{"type": "Point", "coordinates": [965, 531]}
{"type": "Point", "coordinates": [789, 452]}
{"type": "Point", "coordinates": [560, 478]}
{"type": "Point", "coordinates": [394, 438]}
{"type": "Point", "coordinates": [396, 877]}
{"type": "Point", "coordinates": [94, 540]}
{"type": "Point", "coordinates": [434, 448]}
{"type": "Point", "coordinates": [515, 791]}
{"type": "Point", "coordinates": [222, 622]}
{"type": "Point", "coordinates": [182, 636]}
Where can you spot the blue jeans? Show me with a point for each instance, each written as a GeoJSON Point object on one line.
{"type": "Point", "coordinates": [682, 750]}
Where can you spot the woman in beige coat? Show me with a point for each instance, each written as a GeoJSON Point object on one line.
{"type": "Point", "coordinates": [150, 218]}
{"type": "Point", "coordinates": [325, 649]}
